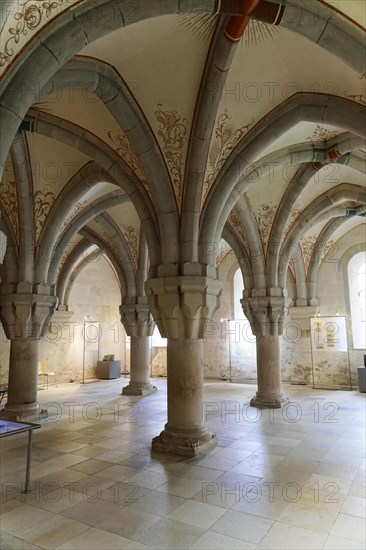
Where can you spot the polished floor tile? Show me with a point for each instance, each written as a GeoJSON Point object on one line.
{"type": "Point", "coordinates": [270, 483]}
{"type": "Point", "coordinates": [290, 537]}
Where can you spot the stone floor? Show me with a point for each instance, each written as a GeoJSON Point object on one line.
{"type": "Point", "coordinates": [289, 479]}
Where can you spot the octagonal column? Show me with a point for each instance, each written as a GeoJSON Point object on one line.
{"type": "Point", "coordinates": [182, 308]}
{"type": "Point", "coordinates": [25, 318]}
{"type": "Point", "coordinates": [265, 313]}
{"type": "Point", "coordinates": [139, 325]}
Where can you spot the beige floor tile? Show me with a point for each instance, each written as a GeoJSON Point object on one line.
{"type": "Point", "coordinates": [158, 503]}
{"type": "Point", "coordinates": [201, 473]}
{"type": "Point", "coordinates": [261, 505]}
{"type": "Point", "coordinates": [9, 542]}
{"type": "Point", "coordinates": [95, 539]}
{"type": "Point", "coordinates": [53, 500]}
{"type": "Point", "coordinates": [181, 487]}
{"type": "Point", "coordinates": [124, 493]}
{"type": "Point", "coordinates": [91, 512]}
{"type": "Point", "coordinates": [65, 460]}
{"type": "Point", "coordinates": [170, 534]}
{"type": "Point", "coordinates": [90, 451]}
{"type": "Point", "coordinates": [197, 513]}
{"type": "Point", "coordinates": [350, 527]}
{"type": "Point", "coordinates": [117, 472]}
{"type": "Point", "coordinates": [242, 526]}
{"type": "Point", "coordinates": [137, 546]}
{"type": "Point", "coordinates": [211, 540]}
{"type": "Point", "coordinates": [340, 471]}
{"type": "Point", "coordinates": [354, 506]}
{"type": "Point", "coordinates": [91, 466]}
{"type": "Point", "coordinates": [313, 465]}
{"type": "Point", "coordinates": [341, 543]}
{"type": "Point", "coordinates": [53, 532]}
{"type": "Point", "coordinates": [291, 537]}
{"type": "Point", "coordinates": [328, 483]}
{"type": "Point", "coordinates": [23, 517]}
{"type": "Point", "coordinates": [148, 479]}
{"type": "Point", "coordinates": [129, 523]}
{"type": "Point", "coordinates": [357, 488]}
{"type": "Point", "coordinates": [306, 513]}
{"type": "Point", "coordinates": [217, 495]}
{"type": "Point", "coordinates": [114, 455]}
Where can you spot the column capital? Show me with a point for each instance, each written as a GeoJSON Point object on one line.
{"type": "Point", "coordinates": [265, 309]}
{"type": "Point", "coordinates": [26, 316]}
{"type": "Point", "coordinates": [136, 316]}
{"type": "Point", "coordinates": [302, 315]}
{"type": "Point", "coordinates": [183, 305]}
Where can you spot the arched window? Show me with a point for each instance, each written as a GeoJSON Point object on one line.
{"type": "Point", "coordinates": [357, 295]}
{"type": "Point", "coordinates": [242, 342]}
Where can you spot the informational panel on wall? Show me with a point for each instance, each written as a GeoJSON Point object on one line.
{"type": "Point", "coordinates": [241, 347]}
{"type": "Point", "coordinates": [329, 353]}
{"type": "Point", "coordinates": [328, 333]}
{"type": "Point", "coordinates": [91, 339]}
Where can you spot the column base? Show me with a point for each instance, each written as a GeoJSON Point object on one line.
{"type": "Point", "coordinates": [184, 442]}
{"type": "Point", "coordinates": [268, 402]}
{"type": "Point", "coordinates": [139, 389]}
{"type": "Point", "coordinates": [30, 412]}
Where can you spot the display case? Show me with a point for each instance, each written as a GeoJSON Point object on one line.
{"type": "Point", "coordinates": [108, 369]}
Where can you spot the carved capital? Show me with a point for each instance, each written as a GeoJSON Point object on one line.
{"type": "Point", "coordinates": [136, 316]}
{"type": "Point", "coordinates": [183, 306]}
{"type": "Point", "coordinates": [265, 311]}
{"type": "Point", "coordinates": [26, 315]}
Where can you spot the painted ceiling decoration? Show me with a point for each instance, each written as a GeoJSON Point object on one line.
{"type": "Point", "coordinates": [156, 114]}
{"type": "Point", "coordinates": [201, 26]}
{"type": "Point", "coordinates": [173, 136]}
{"type": "Point", "coordinates": [227, 136]}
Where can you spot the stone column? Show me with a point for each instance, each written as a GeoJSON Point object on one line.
{"type": "Point", "coordinates": [265, 312]}
{"type": "Point", "coordinates": [139, 325]}
{"type": "Point", "coordinates": [25, 318]}
{"type": "Point", "coordinates": [182, 307]}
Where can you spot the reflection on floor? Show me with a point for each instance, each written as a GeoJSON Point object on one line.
{"type": "Point", "coordinates": [291, 478]}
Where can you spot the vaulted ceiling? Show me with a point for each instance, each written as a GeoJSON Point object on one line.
{"type": "Point", "coordinates": [172, 126]}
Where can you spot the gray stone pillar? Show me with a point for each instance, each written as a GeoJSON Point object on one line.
{"type": "Point", "coordinates": [139, 325]}
{"type": "Point", "coordinates": [23, 379]}
{"type": "Point", "coordinates": [182, 308]}
{"type": "Point", "coordinates": [265, 312]}
{"type": "Point", "coordinates": [25, 318]}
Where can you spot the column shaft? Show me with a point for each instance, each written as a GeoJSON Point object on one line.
{"type": "Point", "coordinates": [139, 367]}
{"type": "Point", "coordinates": [23, 379]}
{"type": "Point", "coordinates": [269, 392]}
{"type": "Point", "coordinates": [185, 432]}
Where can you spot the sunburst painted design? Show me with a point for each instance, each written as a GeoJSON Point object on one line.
{"type": "Point", "coordinates": [226, 139]}
{"type": "Point", "coordinates": [257, 32]}
{"type": "Point", "coordinates": [43, 202]}
{"type": "Point", "coordinates": [200, 25]}
{"type": "Point", "coordinates": [9, 202]}
{"type": "Point", "coordinates": [173, 134]}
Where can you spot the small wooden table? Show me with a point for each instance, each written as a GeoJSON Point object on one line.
{"type": "Point", "coordinates": [8, 428]}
